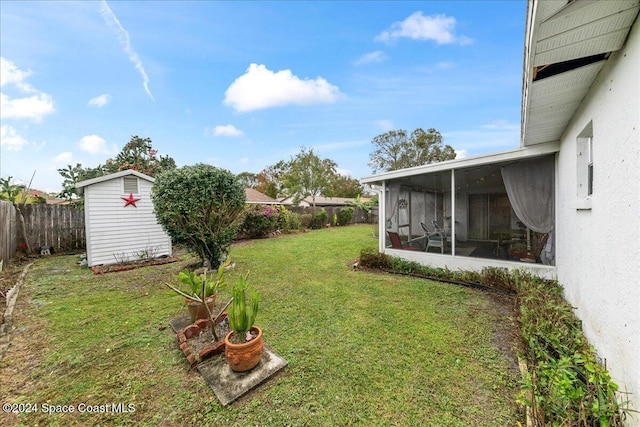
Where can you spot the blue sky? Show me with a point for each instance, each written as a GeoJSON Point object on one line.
{"type": "Point", "coordinates": [242, 85]}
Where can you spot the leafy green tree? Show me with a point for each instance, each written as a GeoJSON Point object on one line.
{"type": "Point", "coordinates": [200, 206]}
{"type": "Point", "coordinates": [343, 186]}
{"type": "Point", "coordinates": [248, 179]}
{"type": "Point", "coordinates": [138, 154]}
{"type": "Point", "coordinates": [395, 150]}
{"type": "Point", "coordinates": [305, 175]}
{"type": "Point", "coordinates": [74, 174]}
{"type": "Point", "coordinates": [267, 182]}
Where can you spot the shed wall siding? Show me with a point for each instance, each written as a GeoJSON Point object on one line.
{"type": "Point", "coordinates": [598, 249]}
{"type": "Point", "coordinates": [116, 233]}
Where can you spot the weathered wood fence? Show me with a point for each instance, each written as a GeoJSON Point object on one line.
{"type": "Point", "coordinates": [360, 216]}
{"type": "Point", "coordinates": [57, 226]}
{"type": "Point", "coordinates": [8, 231]}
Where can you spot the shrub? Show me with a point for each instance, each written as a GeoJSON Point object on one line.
{"type": "Point", "coordinates": [346, 215]}
{"type": "Point", "coordinates": [306, 221]}
{"type": "Point", "coordinates": [260, 220]}
{"type": "Point", "coordinates": [287, 221]}
{"type": "Point", "coordinates": [201, 207]}
{"type": "Point", "coordinates": [319, 218]}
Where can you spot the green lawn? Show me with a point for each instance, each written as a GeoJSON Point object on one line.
{"type": "Point", "coordinates": [363, 348]}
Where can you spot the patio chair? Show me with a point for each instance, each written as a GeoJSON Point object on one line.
{"type": "Point", "coordinates": [435, 238]}
{"type": "Point", "coordinates": [396, 243]}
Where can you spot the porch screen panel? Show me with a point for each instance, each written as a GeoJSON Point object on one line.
{"type": "Point", "coordinates": [529, 186]}
{"type": "Point", "coordinates": [391, 210]}
{"type": "Point", "coordinates": [418, 211]}
{"type": "Point", "coordinates": [404, 211]}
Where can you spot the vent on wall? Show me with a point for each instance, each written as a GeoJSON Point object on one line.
{"type": "Point", "coordinates": [130, 184]}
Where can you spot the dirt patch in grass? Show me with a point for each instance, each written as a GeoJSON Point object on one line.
{"type": "Point", "coordinates": [111, 268]}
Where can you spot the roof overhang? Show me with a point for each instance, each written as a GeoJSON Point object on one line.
{"type": "Point", "coordinates": [567, 43]}
{"type": "Point", "coordinates": [80, 185]}
{"type": "Point", "coordinates": [466, 162]}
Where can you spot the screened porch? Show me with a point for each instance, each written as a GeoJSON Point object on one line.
{"type": "Point", "coordinates": [501, 211]}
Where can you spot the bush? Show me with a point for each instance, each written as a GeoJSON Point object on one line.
{"type": "Point", "coordinates": [288, 221]}
{"type": "Point", "coordinates": [201, 207]}
{"type": "Point", "coordinates": [319, 218]}
{"type": "Point", "coordinates": [306, 221]}
{"type": "Point", "coordinates": [346, 215]}
{"type": "Point", "coordinates": [260, 221]}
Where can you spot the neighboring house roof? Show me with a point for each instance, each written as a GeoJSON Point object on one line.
{"type": "Point", "coordinates": [256, 197]}
{"type": "Point", "coordinates": [320, 201]}
{"type": "Point", "coordinates": [566, 46]}
{"type": "Point", "coordinates": [80, 185]}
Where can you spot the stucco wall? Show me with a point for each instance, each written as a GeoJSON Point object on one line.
{"type": "Point", "coordinates": [598, 249]}
{"type": "Point", "coordinates": [117, 233]}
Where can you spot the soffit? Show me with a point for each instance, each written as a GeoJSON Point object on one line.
{"type": "Point", "coordinates": [569, 36]}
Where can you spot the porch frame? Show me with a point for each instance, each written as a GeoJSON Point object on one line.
{"type": "Point", "coordinates": [451, 261]}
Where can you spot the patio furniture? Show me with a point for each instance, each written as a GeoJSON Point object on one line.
{"type": "Point", "coordinates": [435, 238]}
{"type": "Point", "coordinates": [396, 243]}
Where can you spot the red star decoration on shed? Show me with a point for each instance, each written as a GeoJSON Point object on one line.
{"type": "Point", "coordinates": [130, 200]}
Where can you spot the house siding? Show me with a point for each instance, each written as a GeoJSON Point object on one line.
{"type": "Point", "coordinates": [116, 233]}
{"type": "Point", "coordinates": [598, 240]}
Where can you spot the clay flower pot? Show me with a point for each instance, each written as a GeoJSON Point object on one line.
{"type": "Point", "coordinates": [197, 310]}
{"type": "Point", "coordinates": [245, 356]}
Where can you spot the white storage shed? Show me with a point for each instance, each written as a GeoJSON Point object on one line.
{"type": "Point", "coordinates": [120, 223]}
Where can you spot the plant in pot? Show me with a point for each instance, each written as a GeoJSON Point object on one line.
{"type": "Point", "coordinates": [243, 345]}
{"type": "Point", "coordinates": [200, 289]}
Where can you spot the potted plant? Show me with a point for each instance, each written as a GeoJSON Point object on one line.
{"type": "Point", "coordinates": [200, 288]}
{"type": "Point", "coordinates": [243, 345]}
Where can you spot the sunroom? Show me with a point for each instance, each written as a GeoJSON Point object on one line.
{"type": "Point", "coordinates": [494, 210]}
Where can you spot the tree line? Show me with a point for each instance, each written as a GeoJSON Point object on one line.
{"type": "Point", "coordinates": [304, 175]}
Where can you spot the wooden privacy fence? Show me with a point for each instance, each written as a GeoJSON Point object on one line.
{"type": "Point", "coordinates": [8, 231]}
{"type": "Point", "coordinates": [57, 226]}
{"type": "Point", "coordinates": [360, 216]}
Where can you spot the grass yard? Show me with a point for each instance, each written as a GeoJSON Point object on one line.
{"type": "Point", "coordinates": [363, 348]}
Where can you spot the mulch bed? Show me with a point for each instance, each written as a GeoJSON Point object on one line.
{"type": "Point", "coordinates": [111, 268]}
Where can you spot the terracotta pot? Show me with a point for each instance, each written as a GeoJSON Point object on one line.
{"type": "Point", "coordinates": [245, 356]}
{"type": "Point", "coordinates": [197, 310]}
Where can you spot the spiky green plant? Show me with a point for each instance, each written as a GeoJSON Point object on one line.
{"type": "Point", "coordinates": [242, 313]}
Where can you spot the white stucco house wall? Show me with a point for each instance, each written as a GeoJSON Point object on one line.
{"type": "Point", "coordinates": [581, 115]}
{"type": "Point", "coordinates": [119, 219]}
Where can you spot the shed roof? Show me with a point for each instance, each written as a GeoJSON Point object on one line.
{"type": "Point", "coordinates": [80, 185]}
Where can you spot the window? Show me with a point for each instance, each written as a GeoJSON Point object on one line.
{"type": "Point", "coordinates": [130, 184]}
{"type": "Point", "coordinates": [584, 166]}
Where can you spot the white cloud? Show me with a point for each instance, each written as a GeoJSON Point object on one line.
{"type": "Point", "coordinates": [501, 124]}
{"type": "Point", "coordinates": [461, 154]}
{"type": "Point", "coordinates": [123, 36]}
{"type": "Point", "coordinates": [10, 139]}
{"type": "Point", "coordinates": [344, 172]}
{"type": "Point", "coordinates": [484, 139]}
{"type": "Point", "coordinates": [65, 157]}
{"type": "Point", "coordinates": [227, 130]}
{"type": "Point", "coordinates": [34, 107]}
{"type": "Point", "coordinates": [100, 100]}
{"type": "Point", "coordinates": [367, 58]}
{"type": "Point", "coordinates": [244, 160]}
{"type": "Point", "coordinates": [385, 125]}
{"type": "Point", "coordinates": [93, 144]}
{"type": "Point", "coordinates": [10, 74]}
{"type": "Point", "coordinates": [262, 88]}
{"type": "Point", "coordinates": [439, 28]}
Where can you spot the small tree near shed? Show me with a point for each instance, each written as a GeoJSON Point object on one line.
{"type": "Point", "coordinates": [200, 206]}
